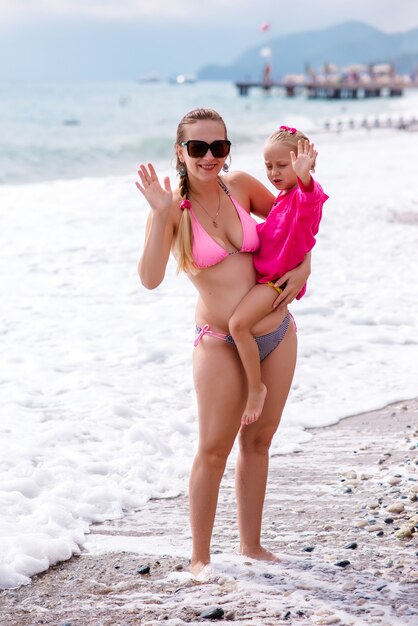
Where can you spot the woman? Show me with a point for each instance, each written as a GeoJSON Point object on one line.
{"type": "Point", "coordinates": [206, 224]}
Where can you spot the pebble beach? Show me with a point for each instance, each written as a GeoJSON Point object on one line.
{"type": "Point", "coordinates": [341, 515]}
{"type": "Point", "coordinates": [98, 416]}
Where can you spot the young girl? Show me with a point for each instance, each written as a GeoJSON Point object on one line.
{"type": "Point", "coordinates": [286, 236]}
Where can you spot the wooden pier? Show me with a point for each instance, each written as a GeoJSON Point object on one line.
{"type": "Point", "coordinates": [331, 90]}
{"type": "Point", "coordinates": [244, 87]}
{"type": "Point", "coordinates": [353, 91]}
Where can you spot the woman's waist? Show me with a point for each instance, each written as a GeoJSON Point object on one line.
{"type": "Point", "coordinates": [217, 318]}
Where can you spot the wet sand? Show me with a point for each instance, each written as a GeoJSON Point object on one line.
{"type": "Point", "coordinates": [341, 514]}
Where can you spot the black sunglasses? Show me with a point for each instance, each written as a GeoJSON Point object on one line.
{"type": "Point", "coordinates": [197, 149]}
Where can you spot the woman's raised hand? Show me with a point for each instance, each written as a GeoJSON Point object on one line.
{"type": "Point", "coordinates": [159, 198]}
{"type": "Point", "coordinates": [304, 162]}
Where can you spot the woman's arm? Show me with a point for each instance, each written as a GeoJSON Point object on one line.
{"type": "Point", "coordinates": [156, 252]}
{"type": "Point", "coordinates": [160, 228]}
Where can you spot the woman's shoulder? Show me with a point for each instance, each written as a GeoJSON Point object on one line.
{"type": "Point", "coordinates": [243, 184]}
{"type": "Point", "coordinates": [237, 177]}
{"type": "Point", "coordinates": [250, 192]}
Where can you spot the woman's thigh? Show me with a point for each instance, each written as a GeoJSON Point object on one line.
{"type": "Point", "coordinates": [220, 391]}
{"type": "Point", "coordinates": [277, 374]}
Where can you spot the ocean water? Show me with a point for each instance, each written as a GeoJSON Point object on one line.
{"type": "Point", "coordinates": [72, 130]}
{"type": "Point", "coordinates": [97, 409]}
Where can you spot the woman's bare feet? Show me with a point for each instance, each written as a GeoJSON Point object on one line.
{"type": "Point", "coordinates": [255, 403]}
{"type": "Point", "coordinates": [260, 554]}
{"type": "Point", "coordinates": [197, 567]}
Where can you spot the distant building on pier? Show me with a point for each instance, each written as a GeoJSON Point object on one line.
{"type": "Point", "coordinates": [354, 81]}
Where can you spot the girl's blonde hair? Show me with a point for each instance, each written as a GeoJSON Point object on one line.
{"type": "Point", "coordinates": [288, 136]}
{"type": "Point", "coordinates": [184, 240]}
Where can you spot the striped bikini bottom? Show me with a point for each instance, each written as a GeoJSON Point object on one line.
{"type": "Point", "coordinates": [266, 343]}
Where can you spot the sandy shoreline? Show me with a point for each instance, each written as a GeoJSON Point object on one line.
{"type": "Point", "coordinates": [350, 495]}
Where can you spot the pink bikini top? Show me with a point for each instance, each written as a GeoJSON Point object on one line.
{"type": "Point", "coordinates": [207, 251]}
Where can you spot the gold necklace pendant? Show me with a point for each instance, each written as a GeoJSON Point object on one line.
{"type": "Point", "coordinates": [213, 218]}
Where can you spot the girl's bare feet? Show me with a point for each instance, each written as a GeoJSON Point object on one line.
{"type": "Point", "coordinates": [255, 403]}
{"type": "Point", "coordinates": [260, 554]}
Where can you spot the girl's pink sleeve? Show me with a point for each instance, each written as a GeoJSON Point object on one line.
{"type": "Point", "coordinates": [310, 199]}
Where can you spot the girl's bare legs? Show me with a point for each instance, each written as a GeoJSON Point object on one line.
{"type": "Point", "coordinates": [252, 308]}
{"type": "Point", "coordinates": [219, 384]}
{"type": "Point", "coordinates": [252, 464]}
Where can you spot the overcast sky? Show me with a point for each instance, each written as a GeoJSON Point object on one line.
{"type": "Point", "coordinates": [122, 39]}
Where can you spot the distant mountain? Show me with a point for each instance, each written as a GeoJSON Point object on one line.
{"type": "Point", "coordinates": [344, 44]}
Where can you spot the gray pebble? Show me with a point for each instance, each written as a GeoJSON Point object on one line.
{"type": "Point", "coordinates": [342, 563]}
{"type": "Point", "coordinates": [213, 612]}
{"type": "Point", "coordinates": [143, 569]}
{"type": "Point", "coordinates": [351, 546]}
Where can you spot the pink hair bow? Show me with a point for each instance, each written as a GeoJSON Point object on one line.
{"type": "Point", "coordinates": [185, 204]}
{"type": "Point", "coordinates": [289, 129]}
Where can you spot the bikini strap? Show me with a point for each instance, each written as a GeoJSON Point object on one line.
{"type": "Point", "coordinates": [207, 331]}
{"type": "Point", "coordinates": [223, 186]}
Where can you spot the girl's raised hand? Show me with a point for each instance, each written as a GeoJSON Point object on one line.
{"type": "Point", "coordinates": [159, 198]}
{"type": "Point", "coordinates": [304, 162]}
